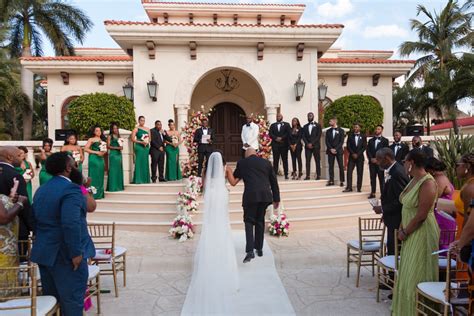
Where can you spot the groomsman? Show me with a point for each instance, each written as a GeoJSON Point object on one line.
{"type": "Point", "coordinates": [356, 144]}
{"type": "Point", "coordinates": [249, 135]}
{"type": "Point", "coordinates": [312, 145]}
{"type": "Point", "coordinates": [375, 143]}
{"type": "Point", "coordinates": [204, 137]}
{"type": "Point", "coordinates": [418, 145]}
{"type": "Point", "coordinates": [399, 148]}
{"type": "Point", "coordinates": [157, 151]}
{"type": "Point", "coordinates": [334, 142]}
{"type": "Point", "coordinates": [279, 132]}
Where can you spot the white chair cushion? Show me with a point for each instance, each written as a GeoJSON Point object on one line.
{"type": "Point", "coordinates": [366, 246]}
{"type": "Point", "coordinates": [388, 261]}
{"type": "Point", "coordinates": [44, 305]}
{"type": "Point", "coordinates": [434, 290]}
{"type": "Point", "coordinates": [93, 271]}
{"type": "Point", "coordinates": [443, 263]}
{"type": "Point", "coordinates": [38, 274]}
{"type": "Point", "coordinates": [101, 255]}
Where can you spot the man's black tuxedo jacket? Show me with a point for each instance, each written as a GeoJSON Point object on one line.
{"type": "Point", "coordinates": [315, 136]}
{"type": "Point", "coordinates": [372, 150]}
{"type": "Point", "coordinates": [284, 133]}
{"type": "Point", "coordinates": [7, 173]}
{"type": "Point", "coordinates": [361, 145]}
{"type": "Point", "coordinates": [402, 152]}
{"type": "Point", "coordinates": [335, 142]}
{"type": "Point", "coordinates": [198, 136]}
{"type": "Point", "coordinates": [427, 150]}
{"type": "Point", "coordinates": [391, 206]}
{"type": "Point", "coordinates": [156, 141]}
{"type": "Point", "coordinates": [261, 185]}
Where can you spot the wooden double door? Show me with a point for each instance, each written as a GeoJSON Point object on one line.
{"type": "Point", "coordinates": [227, 120]}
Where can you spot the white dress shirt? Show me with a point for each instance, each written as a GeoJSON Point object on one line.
{"type": "Point", "coordinates": [250, 135]}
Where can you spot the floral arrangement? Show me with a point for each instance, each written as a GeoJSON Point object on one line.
{"type": "Point", "coordinates": [76, 155]}
{"type": "Point", "coordinates": [28, 175]}
{"type": "Point", "coordinates": [279, 224]}
{"type": "Point", "coordinates": [145, 138]}
{"type": "Point", "coordinates": [182, 228]}
{"type": "Point", "coordinates": [191, 166]}
{"type": "Point", "coordinates": [121, 142]}
{"type": "Point", "coordinates": [103, 146]}
{"type": "Point", "coordinates": [91, 190]}
{"type": "Point", "coordinates": [264, 140]}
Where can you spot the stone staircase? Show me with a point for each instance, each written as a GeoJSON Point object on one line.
{"type": "Point", "coordinates": [153, 206]}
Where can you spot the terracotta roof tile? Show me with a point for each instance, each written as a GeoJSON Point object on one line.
{"type": "Point", "coordinates": [363, 61]}
{"type": "Point", "coordinates": [114, 22]}
{"type": "Point", "coordinates": [79, 58]}
{"type": "Point", "coordinates": [467, 121]}
{"type": "Point", "coordinates": [233, 4]}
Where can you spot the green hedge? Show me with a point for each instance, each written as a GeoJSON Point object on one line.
{"type": "Point", "coordinates": [100, 109]}
{"type": "Point", "coordinates": [355, 108]}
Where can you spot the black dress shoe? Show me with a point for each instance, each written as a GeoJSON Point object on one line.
{"type": "Point", "coordinates": [153, 180]}
{"type": "Point", "coordinates": [341, 184]}
{"type": "Point", "coordinates": [371, 196]}
{"type": "Point", "coordinates": [318, 178]}
{"type": "Point", "coordinates": [330, 183]}
{"type": "Point", "coordinates": [307, 178]}
{"type": "Point", "coordinates": [249, 256]}
{"type": "Point", "coordinates": [260, 253]}
{"type": "Point", "coordinates": [286, 177]}
{"type": "Point", "coordinates": [359, 190]}
{"type": "Point", "coordinates": [347, 190]}
{"type": "Point", "coordinates": [163, 180]}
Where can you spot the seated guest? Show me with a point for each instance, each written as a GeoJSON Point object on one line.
{"type": "Point", "coordinates": [445, 191]}
{"type": "Point", "coordinates": [419, 233]}
{"type": "Point", "coordinates": [62, 244]}
{"type": "Point", "coordinates": [396, 180]}
{"type": "Point", "coordinates": [399, 148]}
{"type": "Point", "coordinates": [418, 145]}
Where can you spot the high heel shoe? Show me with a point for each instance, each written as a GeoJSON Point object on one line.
{"type": "Point", "coordinates": [293, 175]}
{"type": "Point", "coordinates": [300, 175]}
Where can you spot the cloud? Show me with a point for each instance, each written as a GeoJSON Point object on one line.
{"type": "Point", "coordinates": [336, 10]}
{"type": "Point", "coordinates": [384, 31]}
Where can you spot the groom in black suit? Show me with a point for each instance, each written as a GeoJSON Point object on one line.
{"type": "Point", "coordinates": [204, 149]}
{"type": "Point", "coordinates": [261, 189]}
{"type": "Point", "coordinates": [157, 151]}
{"type": "Point", "coordinates": [396, 180]}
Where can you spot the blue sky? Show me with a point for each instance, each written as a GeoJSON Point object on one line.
{"type": "Point", "coordinates": [369, 24]}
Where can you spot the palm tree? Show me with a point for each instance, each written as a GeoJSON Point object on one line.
{"type": "Point", "coordinates": [29, 21]}
{"type": "Point", "coordinates": [404, 99]}
{"type": "Point", "coordinates": [439, 36]}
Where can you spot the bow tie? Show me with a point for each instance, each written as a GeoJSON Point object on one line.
{"type": "Point", "coordinates": [377, 138]}
{"type": "Point", "coordinates": [248, 124]}
{"type": "Point", "coordinates": [358, 135]}
{"type": "Point", "coordinates": [398, 144]}
{"type": "Point", "coordinates": [334, 128]}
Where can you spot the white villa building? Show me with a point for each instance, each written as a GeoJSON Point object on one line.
{"type": "Point", "coordinates": [235, 58]}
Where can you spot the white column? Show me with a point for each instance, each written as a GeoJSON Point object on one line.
{"type": "Point", "coordinates": [182, 114]}
{"type": "Point", "coordinates": [271, 112]}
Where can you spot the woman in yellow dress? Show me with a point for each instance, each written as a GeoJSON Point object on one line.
{"type": "Point", "coordinates": [419, 232]}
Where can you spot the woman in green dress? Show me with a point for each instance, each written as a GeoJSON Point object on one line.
{"type": "Point", "coordinates": [115, 146]}
{"type": "Point", "coordinates": [27, 172]}
{"type": "Point", "coordinates": [72, 147]}
{"type": "Point", "coordinates": [141, 148]}
{"type": "Point", "coordinates": [419, 233]}
{"type": "Point", "coordinates": [96, 147]}
{"type": "Point", "coordinates": [173, 169]}
{"type": "Point", "coordinates": [46, 151]}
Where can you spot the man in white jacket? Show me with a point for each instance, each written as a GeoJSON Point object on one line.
{"type": "Point", "coordinates": [249, 135]}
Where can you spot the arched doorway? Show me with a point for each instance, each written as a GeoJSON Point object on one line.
{"type": "Point", "coordinates": [227, 120]}
{"type": "Point", "coordinates": [65, 110]}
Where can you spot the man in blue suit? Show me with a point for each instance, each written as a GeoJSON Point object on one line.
{"type": "Point", "coordinates": [62, 243]}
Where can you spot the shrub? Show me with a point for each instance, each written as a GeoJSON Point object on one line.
{"type": "Point", "coordinates": [362, 109]}
{"type": "Point", "coordinates": [100, 109]}
{"type": "Point", "coordinates": [450, 148]}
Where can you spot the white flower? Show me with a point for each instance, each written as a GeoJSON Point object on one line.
{"type": "Point", "coordinates": [145, 138]}
{"type": "Point", "coordinates": [27, 174]}
{"type": "Point", "coordinates": [121, 141]}
{"type": "Point", "coordinates": [183, 238]}
{"type": "Point", "coordinates": [103, 146]}
{"type": "Point", "coordinates": [283, 223]}
{"type": "Point", "coordinates": [76, 155]}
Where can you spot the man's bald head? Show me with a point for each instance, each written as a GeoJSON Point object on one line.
{"type": "Point", "coordinates": [11, 155]}
{"type": "Point", "coordinates": [250, 152]}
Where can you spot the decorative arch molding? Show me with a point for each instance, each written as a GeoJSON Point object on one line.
{"type": "Point", "coordinates": [65, 110]}
{"type": "Point", "coordinates": [245, 104]}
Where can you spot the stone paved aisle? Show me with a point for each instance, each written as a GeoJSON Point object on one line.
{"type": "Point", "coordinates": [311, 265]}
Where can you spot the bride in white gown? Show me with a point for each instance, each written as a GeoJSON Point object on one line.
{"type": "Point", "coordinates": [215, 279]}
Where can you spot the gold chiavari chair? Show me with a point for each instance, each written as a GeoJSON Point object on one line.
{"type": "Point", "coordinates": [387, 266]}
{"type": "Point", "coordinates": [93, 285]}
{"type": "Point", "coordinates": [444, 298]}
{"type": "Point", "coordinates": [365, 250]}
{"type": "Point", "coordinates": [18, 293]}
{"type": "Point", "coordinates": [107, 253]}
{"type": "Point", "coordinates": [446, 237]}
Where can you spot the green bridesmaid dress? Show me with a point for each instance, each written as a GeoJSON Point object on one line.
{"type": "Point", "coordinates": [173, 170]}
{"type": "Point", "coordinates": [142, 167]}
{"type": "Point", "coordinates": [115, 178]}
{"type": "Point", "coordinates": [96, 171]}
{"type": "Point", "coordinates": [44, 176]}
{"type": "Point", "coordinates": [29, 186]}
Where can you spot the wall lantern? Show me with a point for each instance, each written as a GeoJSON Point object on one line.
{"type": "Point", "coordinates": [152, 88]}
{"type": "Point", "coordinates": [299, 88]}
{"type": "Point", "coordinates": [322, 91]}
{"type": "Point", "coordinates": [128, 89]}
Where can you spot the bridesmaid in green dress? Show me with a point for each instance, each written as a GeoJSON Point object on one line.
{"type": "Point", "coordinates": [419, 232]}
{"type": "Point", "coordinates": [115, 178]}
{"type": "Point", "coordinates": [27, 172]}
{"type": "Point", "coordinates": [97, 148]}
{"type": "Point", "coordinates": [141, 148]}
{"type": "Point", "coordinates": [72, 147]}
{"type": "Point", "coordinates": [173, 169]}
{"type": "Point", "coordinates": [46, 151]}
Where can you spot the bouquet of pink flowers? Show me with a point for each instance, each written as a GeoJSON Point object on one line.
{"type": "Point", "coordinates": [145, 138]}
{"type": "Point", "coordinates": [182, 228]}
{"type": "Point", "coordinates": [279, 224]}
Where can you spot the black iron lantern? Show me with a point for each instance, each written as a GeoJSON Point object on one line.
{"type": "Point", "coordinates": [152, 88]}
{"type": "Point", "coordinates": [128, 89]}
{"type": "Point", "coordinates": [299, 88]}
{"type": "Point", "coordinates": [322, 91]}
